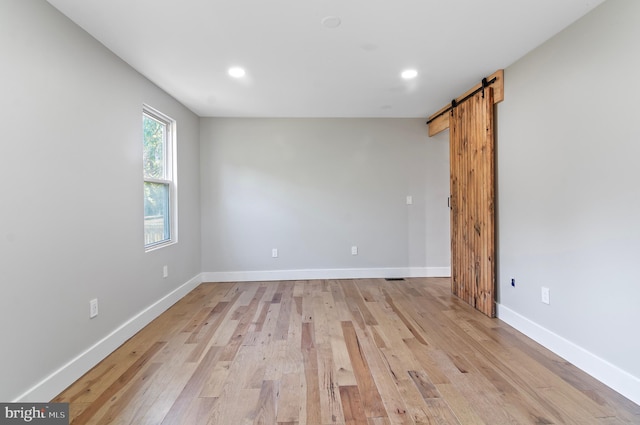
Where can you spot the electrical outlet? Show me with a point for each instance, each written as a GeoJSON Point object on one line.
{"type": "Point", "coordinates": [545, 295]}
{"type": "Point", "coordinates": [409, 200]}
{"type": "Point", "coordinates": [354, 250]}
{"type": "Point", "coordinates": [165, 271]}
{"type": "Point", "coordinates": [93, 308]}
{"type": "Point", "coordinates": [274, 252]}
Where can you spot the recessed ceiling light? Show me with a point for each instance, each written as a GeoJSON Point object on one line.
{"type": "Point", "coordinates": [331, 22]}
{"type": "Point", "coordinates": [237, 72]}
{"type": "Point", "coordinates": [408, 74]}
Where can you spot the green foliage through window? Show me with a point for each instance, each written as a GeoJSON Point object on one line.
{"type": "Point", "coordinates": [157, 179]}
{"type": "Point", "coordinates": [154, 147]}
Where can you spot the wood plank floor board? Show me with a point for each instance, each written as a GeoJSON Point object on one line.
{"type": "Point", "coordinates": [320, 352]}
{"type": "Point", "coordinates": [198, 411]}
{"type": "Point", "coordinates": [416, 406]}
{"type": "Point", "coordinates": [352, 406]}
{"type": "Point", "coordinates": [136, 373]}
{"type": "Point", "coordinates": [122, 407]}
{"type": "Point", "coordinates": [458, 405]}
{"type": "Point", "coordinates": [265, 412]}
{"type": "Point", "coordinates": [289, 406]}
{"type": "Point", "coordinates": [310, 412]}
{"type": "Point", "coordinates": [391, 326]}
{"type": "Point", "coordinates": [193, 387]}
{"type": "Point", "coordinates": [330, 403]}
{"type": "Point", "coordinates": [369, 393]}
{"type": "Point", "coordinates": [379, 421]}
{"type": "Point", "coordinates": [425, 356]}
{"type": "Point", "coordinates": [395, 406]}
{"type": "Point", "coordinates": [164, 389]}
{"type": "Point", "coordinates": [353, 295]}
{"type": "Point", "coordinates": [210, 326]}
{"type": "Point", "coordinates": [215, 379]}
{"type": "Point", "coordinates": [345, 375]}
{"type": "Point", "coordinates": [440, 413]}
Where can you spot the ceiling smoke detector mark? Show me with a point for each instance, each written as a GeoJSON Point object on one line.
{"type": "Point", "coordinates": [331, 22]}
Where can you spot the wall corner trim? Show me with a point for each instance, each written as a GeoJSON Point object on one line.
{"type": "Point", "coordinates": [605, 372]}
{"type": "Point", "coordinates": [57, 381]}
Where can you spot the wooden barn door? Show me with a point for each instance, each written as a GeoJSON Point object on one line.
{"type": "Point", "coordinates": [472, 202]}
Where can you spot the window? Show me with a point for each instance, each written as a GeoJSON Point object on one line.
{"type": "Point", "coordinates": [158, 133]}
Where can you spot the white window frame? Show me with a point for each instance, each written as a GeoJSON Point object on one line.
{"type": "Point", "coordinates": [170, 176]}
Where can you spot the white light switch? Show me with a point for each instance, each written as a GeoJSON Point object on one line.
{"type": "Point", "coordinates": [409, 200]}
{"type": "Point", "coordinates": [93, 308]}
{"type": "Point", "coordinates": [274, 252]}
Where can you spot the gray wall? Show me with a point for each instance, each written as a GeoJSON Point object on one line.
{"type": "Point", "coordinates": [71, 215]}
{"type": "Point", "coordinates": [314, 187]}
{"type": "Point", "coordinates": [569, 200]}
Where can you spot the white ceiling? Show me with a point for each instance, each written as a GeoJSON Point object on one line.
{"type": "Point", "coordinates": [296, 67]}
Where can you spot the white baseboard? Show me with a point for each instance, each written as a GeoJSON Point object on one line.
{"type": "Point", "coordinates": [605, 372]}
{"type": "Point", "coordinates": [55, 383]}
{"type": "Point", "coordinates": [309, 274]}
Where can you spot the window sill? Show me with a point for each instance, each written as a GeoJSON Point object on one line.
{"type": "Point", "coordinates": [159, 245]}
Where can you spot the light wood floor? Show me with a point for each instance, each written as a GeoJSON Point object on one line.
{"type": "Point", "coordinates": [366, 352]}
